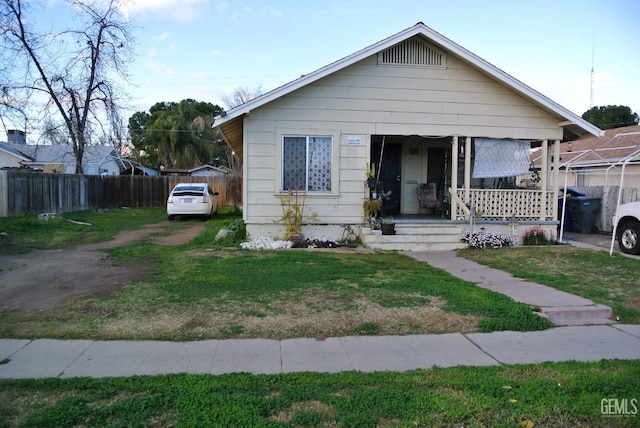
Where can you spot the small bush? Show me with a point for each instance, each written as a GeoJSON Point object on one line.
{"type": "Point", "coordinates": [537, 236]}
{"type": "Point", "coordinates": [483, 240]}
{"type": "Point", "coordinates": [239, 228]}
{"type": "Point", "coordinates": [368, 328]}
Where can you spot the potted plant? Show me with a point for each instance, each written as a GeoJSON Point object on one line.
{"type": "Point", "coordinates": [388, 226]}
{"type": "Point", "coordinates": [370, 207]}
{"type": "Point", "coordinates": [370, 171]}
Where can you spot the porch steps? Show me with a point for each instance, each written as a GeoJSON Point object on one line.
{"type": "Point", "coordinates": [417, 237]}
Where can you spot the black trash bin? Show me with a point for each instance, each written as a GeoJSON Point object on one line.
{"type": "Point", "coordinates": [571, 193]}
{"type": "Point", "coordinates": [583, 211]}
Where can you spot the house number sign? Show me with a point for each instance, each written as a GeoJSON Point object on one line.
{"type": "Point", "coordinates": [354, 140]}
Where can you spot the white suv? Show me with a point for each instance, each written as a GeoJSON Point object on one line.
{"type": "Point", "coordinates": [627, 219]}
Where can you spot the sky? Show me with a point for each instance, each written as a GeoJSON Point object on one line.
{"type": "Point", "coordinates": [204, 49]}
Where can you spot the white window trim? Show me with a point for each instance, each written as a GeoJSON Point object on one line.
{"type": "Point", "coordinates": [335, 151]}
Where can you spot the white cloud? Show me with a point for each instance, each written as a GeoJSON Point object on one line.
{"type": "Point", "coordinates": [177, 10]}
{"type": "Point", "coordinates": [272, 11]}
{"type": "Point", "coordinates": [200, 75]}
{"type": "Point", "coordinates": [161, 37]}
{"type": "Point", "coordinates": [161, 68]}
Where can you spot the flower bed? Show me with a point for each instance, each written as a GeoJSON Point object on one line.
{"type": "Point", "coordinates": [483, 240]}
{"type": "Point", "coordinates": [265, 243]}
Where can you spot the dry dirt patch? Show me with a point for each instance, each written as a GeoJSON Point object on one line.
{"type": "Point", "coordinates": [41, 280]}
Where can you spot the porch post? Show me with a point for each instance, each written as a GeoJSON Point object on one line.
{"type": "Point", "coordinates": [556, 174]}
{"type": "Point", "coordinates": [544, 172]}
{"type": "Point", "coordinates": [454, 177]}
{"type": "Point", "coordinates": [467, 169]}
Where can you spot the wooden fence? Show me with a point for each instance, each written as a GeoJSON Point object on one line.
{"type": "Point", "coordinates": [36, 192]}
{"type": "Point", "coordinates": [136, 191]}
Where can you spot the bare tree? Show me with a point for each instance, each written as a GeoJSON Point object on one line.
{"type": "Point", "coordinates": [241, 95]}
{"type": "Point", "coordinates": [69, 76]}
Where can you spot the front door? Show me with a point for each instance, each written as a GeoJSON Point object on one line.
{"type": "Point", "coordinates": [389, 169]}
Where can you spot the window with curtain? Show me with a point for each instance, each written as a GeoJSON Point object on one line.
{"type": "Point", "coordinates": [306, 163]}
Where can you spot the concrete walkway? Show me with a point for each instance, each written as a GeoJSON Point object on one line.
{"type": "Point", "coordinates": [44, 358]}
{"type": "Point", "coordinates": [560, 307]}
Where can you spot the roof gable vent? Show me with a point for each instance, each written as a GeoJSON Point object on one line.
{"type": "Point", "coordinates": [413, 52]}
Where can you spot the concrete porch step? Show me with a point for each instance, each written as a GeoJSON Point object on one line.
{"type": "Point", "coordinates": [417, 237]}
{"type": "Point", "coordinates": [579, 315]}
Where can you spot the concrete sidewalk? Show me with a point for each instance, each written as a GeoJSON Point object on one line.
{"type": "Point", "coordinates": [45, 358]}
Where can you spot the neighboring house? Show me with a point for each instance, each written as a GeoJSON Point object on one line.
{"type": "Point", "coordinates": [408, 104]}
{"type": "Point", "coordinates": [208, 171]}
{"type": "Point", "coordinates": [598, 161]}
{"type": "Point", "coordinates": [173, 171]}
{"type": "Point", "coordinates": [10, 157]}
{"type": "Point", "coordinates": [98, 160]}
{"type": "Point", "coordinates": [201, 171]}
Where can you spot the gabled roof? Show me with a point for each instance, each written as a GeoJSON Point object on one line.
{"type": "Point", "coordinates": [209, 167]}
{"type": "Point", "coordinates": [230, 123]}
{"type": "Point", "coordinates": [614, 146]}
{"type": "Point", "coordinates": [48, 154]}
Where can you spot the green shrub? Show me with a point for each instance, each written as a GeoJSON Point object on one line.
{"type": "Point", "coordinates": [537, 236]}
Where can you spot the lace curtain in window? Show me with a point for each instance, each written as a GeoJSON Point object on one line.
{"type": "Point", "coordinates": [307, 164]}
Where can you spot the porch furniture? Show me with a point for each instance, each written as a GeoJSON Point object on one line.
{"type": "Point", "coordinates": [427, 196]}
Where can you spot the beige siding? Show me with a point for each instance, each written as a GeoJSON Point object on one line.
{"type": "Point", "coordinates": [8, 161]}
{"type": "Point", "coordinates": [366, 99]}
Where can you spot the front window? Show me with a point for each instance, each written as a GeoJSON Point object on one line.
{"type": "Point", "coordinates": [306, 163]}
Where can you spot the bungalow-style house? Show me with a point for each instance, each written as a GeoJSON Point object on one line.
{"type": "Point", "coordinates": [413, 108]}
{"type": "Point", "coordinates": [98, 160]}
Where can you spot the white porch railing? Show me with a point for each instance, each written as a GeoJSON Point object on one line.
{"type": "Point", "coordinates": [499, 204]}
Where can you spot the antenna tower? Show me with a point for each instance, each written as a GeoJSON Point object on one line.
{"type": "Point", "coordinates": [593, 55]}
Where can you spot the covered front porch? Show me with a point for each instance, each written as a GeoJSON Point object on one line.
{"type": "Point", "coordinates": [509, 204]}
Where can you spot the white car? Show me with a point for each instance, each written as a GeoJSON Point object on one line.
{"type": "Point", "coordinates": [192, 199]}
{"type": "Point", "coordinates": [627, 221]}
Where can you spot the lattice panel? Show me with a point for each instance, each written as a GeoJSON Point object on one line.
{"type": "Point", "coordinates": [493, 204]}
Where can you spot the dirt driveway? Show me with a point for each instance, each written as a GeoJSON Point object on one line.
{"type": "Point", "coordinates": [41, 280]}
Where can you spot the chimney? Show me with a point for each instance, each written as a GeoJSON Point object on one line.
{"type": "Point", "coordinates": [16, 136]}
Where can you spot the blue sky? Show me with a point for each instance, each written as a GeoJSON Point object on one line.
{"type": "Point", "coordinates": [204, 49]}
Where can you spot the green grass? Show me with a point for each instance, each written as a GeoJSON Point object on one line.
{"type": "Point", "coordinates": [595, 275]}
{"type": "Point", "coordinates": [27, 233]}
{"type": "Point", "coordinates": [547, 395]}
{"type": "Point", "coordinates": [201, 293]}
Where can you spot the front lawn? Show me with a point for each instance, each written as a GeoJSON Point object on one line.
{"type": "Point", "coordinates": [205, 290]}
{"type": "Point", "coordinates": [201, 293]}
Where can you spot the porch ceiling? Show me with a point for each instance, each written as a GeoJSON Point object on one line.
{"type": "Point", "coordinates": [232, 132]}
